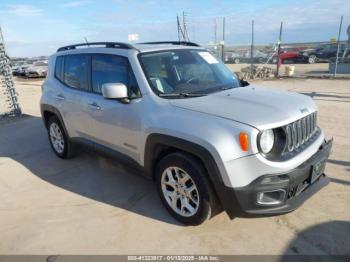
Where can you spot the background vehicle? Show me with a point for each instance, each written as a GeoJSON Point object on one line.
{"type": "Point", "coordinates": [243, 56]}
{"type": "Point", "coordinates": [38, 69]}
{"type": "Point", "coordinates": [174, 111]}
{"type": "Point", "coordinates": [15, 69]}
{"type": "Point", "coordinates": [231, 57]}
{"type": "Point", "coordinates": [21, 70]}
{"type": "Point", "coordinates": [322, 53]}
{"type": "Point", "coordinates": [288, 54]}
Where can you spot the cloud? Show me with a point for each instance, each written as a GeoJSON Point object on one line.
{"type": "Point", "coordinates": [22, 10]}
{"type": "Point", "coordinates": [303, 21]}
{"type": "Point", "coordinates": [75, 3]}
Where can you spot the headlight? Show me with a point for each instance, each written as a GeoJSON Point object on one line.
{"type": "Point", "coordinates": [266, 141]}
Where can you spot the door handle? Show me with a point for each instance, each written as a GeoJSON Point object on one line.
{"type": "Point", "coordinates": [94, 106]}
{"type": "Point", "coordinates": [60, 97]}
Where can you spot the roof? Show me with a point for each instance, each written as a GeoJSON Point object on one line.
{"type": "Point", "coordinates": [139, 47]}
{"type": "Point", "coordinates": [159, 47]}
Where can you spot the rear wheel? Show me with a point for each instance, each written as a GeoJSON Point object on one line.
{"type": "Point", "coordinates": [236, 61]}
{"type": "Point", "coordinates": [184, 189]}
{"type": "Point", "coordinates": [59, 141]}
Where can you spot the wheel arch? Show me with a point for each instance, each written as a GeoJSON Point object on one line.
{"type": "Point", "coordinates": [47, 111]}
{"type": "Point", "coordinates": [159, 145]}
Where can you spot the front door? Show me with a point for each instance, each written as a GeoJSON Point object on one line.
{"type": "Point", "coordinates": [114, 124]}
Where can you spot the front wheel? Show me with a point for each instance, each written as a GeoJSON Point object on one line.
{"type": "Point", "coordinates": [184, 189]}
{"type": "Point", "coordinates": [312, 59]}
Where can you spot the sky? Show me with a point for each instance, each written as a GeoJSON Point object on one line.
{"type": "Point", "coordinates": [38, 27]}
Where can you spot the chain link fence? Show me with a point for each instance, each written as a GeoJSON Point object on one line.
{"type": "Point", "coordinates": [307, 45]}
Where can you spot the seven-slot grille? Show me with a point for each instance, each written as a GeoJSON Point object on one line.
{"type": "Point", "coordinates": [300, 131]}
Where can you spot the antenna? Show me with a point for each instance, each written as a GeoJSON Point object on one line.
{"type": "Point", "coordinates": [86, 41]}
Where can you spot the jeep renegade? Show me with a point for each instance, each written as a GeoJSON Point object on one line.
{"type": "Point", "coordinates": [209, 141]}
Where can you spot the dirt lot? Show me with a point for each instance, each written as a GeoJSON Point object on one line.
{"type": "Point", "coordinates": [92, 205]}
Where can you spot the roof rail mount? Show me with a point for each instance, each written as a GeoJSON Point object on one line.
{"type": "Point", "coordinates": [105, 44]}
{"type": "Point", "coordinates": [171, 43]}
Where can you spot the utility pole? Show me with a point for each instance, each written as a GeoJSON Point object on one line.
{"type": "Point", "coordinates": [336, 59]}
{"type": "Point", "coordinates": [223, 39]}
{"type": "Point", "coordinates": [178, 27]}
{"type": "Point", "coordinates": [252, 52]}
{"type": "Point", "coordinates": [279, 50]}
{"type": "Point", "coordinates": [215, 32]}
{"type": "Point", "coordinates": [180, 30]}
{"type": "Point", "coordinates": [184, 25]}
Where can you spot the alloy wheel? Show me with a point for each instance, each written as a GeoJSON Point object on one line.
{"type": "Point", "coordinates": [56, 137]}
{"type": "Point", "coordinates": [180, 191]}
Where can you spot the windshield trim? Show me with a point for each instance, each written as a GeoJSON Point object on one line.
{"type": "Point", "coordinates": [163, 51]}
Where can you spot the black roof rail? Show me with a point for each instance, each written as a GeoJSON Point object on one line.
{"type": "Point", "coordinates": [106, 44]}
{"type": "Point", "coordinates": [171, 43]}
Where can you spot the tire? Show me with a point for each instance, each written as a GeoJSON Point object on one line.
{"type": "Point", "coordinates": [274, 60]}
{"type": "Point", "coordinates": [186, 211]}
{"type": "Point", "coordinates": [236, 61]}
{"type": "Point", "coordinates": [312, 59]}
{"type": "Point", "coordinates": [55, 131]}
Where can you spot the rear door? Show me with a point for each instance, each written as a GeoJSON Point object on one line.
{"type": "Point", "coordinates": [74, 85]}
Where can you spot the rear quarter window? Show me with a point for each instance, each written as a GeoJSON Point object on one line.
{"type": "Point", "coordinates": [59, 68]}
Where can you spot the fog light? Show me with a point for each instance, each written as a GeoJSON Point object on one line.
{"type": "Point", "coordinates": [274, 197]}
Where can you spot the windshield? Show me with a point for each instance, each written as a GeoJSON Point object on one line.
{"type": "Point", "coordinates": [186, 72]}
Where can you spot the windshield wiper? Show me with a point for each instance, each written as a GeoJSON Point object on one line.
{"type": "Point", "coordinates": [226, 87]}
{"type": "Point", "coordinates": [181, 95]}
{"type": "Point", "coordinates": [222, 88]}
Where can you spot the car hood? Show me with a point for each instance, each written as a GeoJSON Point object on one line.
{"type": "Point", "coordinates": [252, 105]}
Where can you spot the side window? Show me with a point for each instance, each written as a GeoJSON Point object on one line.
{"type": "Point", "coordinates": [76, 71]}
{"type": "Point", "coordinates": [59, 68]}
{"type": "Point", "coordinates": [112, 69]}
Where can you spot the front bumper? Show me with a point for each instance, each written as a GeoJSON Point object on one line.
{"type": "Point", "coordinates": [243, 201]}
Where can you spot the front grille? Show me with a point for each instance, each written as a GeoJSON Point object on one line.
{"type": "Point", "coordinates": [300, 131]}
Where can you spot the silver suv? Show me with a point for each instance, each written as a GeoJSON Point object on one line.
{"type": "Point", "coordinates": [210, 141]}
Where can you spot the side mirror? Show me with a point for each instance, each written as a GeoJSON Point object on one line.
{"type": "Point", "coordinates": [115, 91]}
